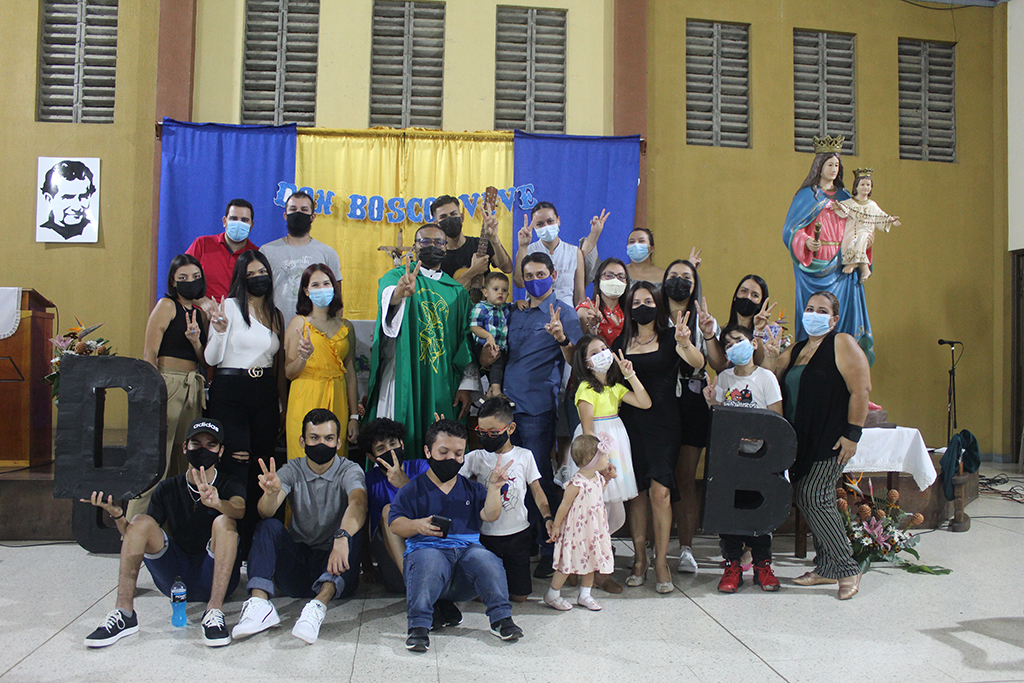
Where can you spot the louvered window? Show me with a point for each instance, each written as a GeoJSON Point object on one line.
{"type": "Point", "coordinates": [279, 74]}
{"type": "Point", "coordinates": [77, 61]}
{"type": "Point", "coordinates": [823, 88]}
{"type": "Point", "coordinates": [529, 77]}
{"type": "Point", "coordinates": [717, 84]}
{"type": "Point", "coordinates": [407, 64]}
{"type": "Point", "coordinates": [927, 101]}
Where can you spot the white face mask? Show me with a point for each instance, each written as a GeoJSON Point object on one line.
{"type": "Point", "coordinates": [602, 360]}
{"type": "Point", "coordinates": [613, 288]}
{"type": "Point", "coordinates": [548, 233]}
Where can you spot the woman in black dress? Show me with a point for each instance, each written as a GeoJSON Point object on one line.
{"type": "Point", "coordinates": [655, 349]}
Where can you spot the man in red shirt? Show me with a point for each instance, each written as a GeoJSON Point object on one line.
{"type": "Point", "coordinates": [218, 253]}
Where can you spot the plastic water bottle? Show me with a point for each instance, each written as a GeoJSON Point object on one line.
{"type": "Point", "coordinates": [178, 598]}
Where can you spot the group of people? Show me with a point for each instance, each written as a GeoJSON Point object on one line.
{"type": "Point", "coordinates": [586, 412]}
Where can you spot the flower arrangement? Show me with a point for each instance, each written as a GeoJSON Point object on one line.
{"type": "Point", "coordinates": [879, 529]}
{"type": "Point", "coordinates": [74, 343]}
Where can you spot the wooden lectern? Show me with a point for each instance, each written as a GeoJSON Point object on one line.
{"type": "Point", "coordinates": [26, 430]}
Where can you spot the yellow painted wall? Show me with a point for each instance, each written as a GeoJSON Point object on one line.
{"type": "Point", "coordinates": [106, 282]}
{"type": "Point", "coordinates": [343, 86]}
{"type": "Point", "coordinates": [943, 273]}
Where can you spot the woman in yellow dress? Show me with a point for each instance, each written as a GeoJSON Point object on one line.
{"type": "Point", "coordinates": [320, 358]}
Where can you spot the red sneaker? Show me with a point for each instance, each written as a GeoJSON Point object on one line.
{"type": "Point", "coordinates": [732, 579]}
{"type": "Point", "coordinates": [765, 577]}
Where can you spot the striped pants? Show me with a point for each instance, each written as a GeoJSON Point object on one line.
{"type": "Point", "coordinates": [816, 500]}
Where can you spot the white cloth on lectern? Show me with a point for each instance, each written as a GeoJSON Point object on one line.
{"type": "Point", "coordinates": [10, 310]}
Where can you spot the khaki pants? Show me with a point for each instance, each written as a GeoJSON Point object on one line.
{"type": "Point", "coordinates": [185, 402]}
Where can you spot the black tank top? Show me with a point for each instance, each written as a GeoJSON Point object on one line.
{"type": "Point", "coordinates": [175, 344]}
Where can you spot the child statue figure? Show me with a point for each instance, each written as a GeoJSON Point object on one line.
{"type": "Point", "coordinates": [863, 216]}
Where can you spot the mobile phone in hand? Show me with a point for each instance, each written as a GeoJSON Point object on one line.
{"type": "Point", "coordinates": [442, 523]}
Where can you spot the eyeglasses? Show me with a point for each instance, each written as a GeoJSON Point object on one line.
{"type": "Point", "coordinates": [424, 242]}
{"type": "Point", "coordinates": [621, 277]}
{"type": "Point", "coordinates": [491, 432]}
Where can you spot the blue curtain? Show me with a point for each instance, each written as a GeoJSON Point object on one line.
{"type": "Point", "coordinates": [205, 165]}
{"type": "Point", "coordinates": [580, 175]}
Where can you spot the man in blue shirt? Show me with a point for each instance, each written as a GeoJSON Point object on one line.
{"type": "Point", "coordinates": [439, 514]}
{"type": "Point", "coordinates": [541, 340]}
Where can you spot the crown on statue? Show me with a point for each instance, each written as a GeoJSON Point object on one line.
{"type": "Point", "coordinates": [828, 144]}
{"type": "Point", "coordinates": [863, 172]}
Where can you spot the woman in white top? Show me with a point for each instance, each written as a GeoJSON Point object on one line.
{"type": "Point", "coordinates": [244, 345]}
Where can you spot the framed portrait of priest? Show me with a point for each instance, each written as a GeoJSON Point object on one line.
{"type": "Point", "coordinates": [67, 200]}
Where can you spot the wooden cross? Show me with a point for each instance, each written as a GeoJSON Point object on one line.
{"type": "Point", "coordinates": [396, 252]}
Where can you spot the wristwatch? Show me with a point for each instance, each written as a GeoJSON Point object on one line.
{"type": "Point", "coordinates": [341, 533]}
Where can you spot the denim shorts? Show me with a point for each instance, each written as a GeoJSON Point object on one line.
{"type": "Point", "coordinates": [195, 571]}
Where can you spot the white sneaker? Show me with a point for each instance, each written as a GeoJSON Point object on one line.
{"type": "Point", "coordinates": [307, 628]}
{"type": "Point", "coordinates": [257, 615]}
{"type": "Point", "coordinates": [686, 562]}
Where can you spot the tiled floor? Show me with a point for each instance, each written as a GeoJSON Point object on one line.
{"type": "Point", "coordinates": [966, 626]}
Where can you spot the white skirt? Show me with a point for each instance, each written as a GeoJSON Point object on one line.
{"type": "Point", "coordinates": [623, 486]}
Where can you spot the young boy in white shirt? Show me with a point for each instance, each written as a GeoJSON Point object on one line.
{"type": "Point", "coordinates": [745, 385]}
{"type": "Point", "coordinates": [509, 537]}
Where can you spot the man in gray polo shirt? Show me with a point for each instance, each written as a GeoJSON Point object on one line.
{"type": "Point", "coordinates": [318, 557]}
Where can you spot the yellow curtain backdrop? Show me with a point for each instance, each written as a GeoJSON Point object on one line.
{"type": "Point", "coordinates": [394, 163]}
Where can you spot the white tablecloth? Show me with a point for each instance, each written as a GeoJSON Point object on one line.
{"type": "Point", "coordinates": [894, 450]}
{"type": "Point", "coordinates": [10, 310]}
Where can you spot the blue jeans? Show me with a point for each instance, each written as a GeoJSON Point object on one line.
{"type": "Point", "coordinates": [536, 433]}
{"type": "Point", "coordinates": [296, 568]}
{"type": "Point", "coordinates": [455, 574]}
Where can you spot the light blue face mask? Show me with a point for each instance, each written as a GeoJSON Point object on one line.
{"type": "Point", "coordinates": [237, 231]}
{"type": "Point", "coordinates": [817, 324]}
{"type": "Point", "coordinates": [549, 233]}
{"type": "Point", "coordinates": [637, 252]}
{"type": "Point", "coordinates": [321, 298]}
{"type": "Point", "coordinates": [740, 353]}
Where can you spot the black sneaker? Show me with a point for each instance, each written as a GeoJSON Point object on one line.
{"type": "Point", "coordinates": [115, 627]}
{"type": "Point", "coordinates": [215, 634]}
{"type": "Point", "coordinates": [446, 614]}
{"type": "Point", "coordinates": [544, 569]}
{"type": "Point", "coordinates": [418, 640]}
{"type": "Point", "coordinates": [506, 629]}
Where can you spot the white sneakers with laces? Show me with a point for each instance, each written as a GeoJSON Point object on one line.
{"type": "Point", "coordinates": [687, 564]}
{"type": "Point", "coordinates": [307, 628]}
{"type": "Point", "coordinates": [257, 615]}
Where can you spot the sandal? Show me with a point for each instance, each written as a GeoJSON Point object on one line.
{"type": "Point", "coordinates": [634, 580]}
{"type": "Point", "coordinates": [559, 603]}
{"type": "Point", "coordinates": [589, 602]}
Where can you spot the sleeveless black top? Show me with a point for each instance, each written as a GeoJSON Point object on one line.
{"type": "Point", "coordinates": [175, 344]}
{"type": "Point", "coordinates": [822, 410]}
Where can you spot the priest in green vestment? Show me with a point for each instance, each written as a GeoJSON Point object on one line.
{"type": "Point", "coordinates": [421, 343]}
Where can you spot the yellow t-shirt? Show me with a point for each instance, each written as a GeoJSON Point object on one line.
{"type": "Point", "coordinates": [606, 403]}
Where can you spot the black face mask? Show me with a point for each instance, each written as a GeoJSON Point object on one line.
{"type": "Point", "coordinates": [644, 314]}
{"type": "Point", "coordinates": [451, 226]}
{"type": "Point", "coordinates": [445, 470]}
{"type": "Point", "coordinates": [202, 457]}
{"type": "Point", "coordinates": [258, 285]}
{"type": "Point", "coordinates": [393, 457]}
{"type": "Point", "coordinates": [431, 257]}
{"type": "Point", "coordinates": [299, 224]}
{"type": "Point", "coordinates": [320, 453]}
{"type": "Point", "coordinates": [191, 290]}
{"type": "Point", "coordinates": [678, 289]}
{"type": "Point", "coordinates": [493, 443]}
{"type": "Point", "coordinates": [745, 307]}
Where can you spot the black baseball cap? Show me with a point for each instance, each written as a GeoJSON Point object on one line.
{"type": "Point", "coordinates": [206, 425]}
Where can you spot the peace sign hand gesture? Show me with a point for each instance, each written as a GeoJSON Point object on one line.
{"type": "Point", "coordinates": [597, 222]}
{"type": "Point", "coordinates": [764, 317]}
{"type": "Point", "coordinates": [525, 233]}
{"type": "Point", "coordinates": [269, 481]}
{"type": "Point", "coordinates": [554, 328]}
{"type": "Point", "coordinates": [705, 321]}
{"type": "Point", "coordinates": [695, 257]}
{"type": "Point", "coordinates": [219, 320]}
{"type": "Point", "coordinates": [711, 393]}
{"type": "Point", "coordinates": [395, 474]}
{"type": "Point", "coordinates": [406, 286]}
{"type": "Point", "coordinates": [773, 344]}
{"type": "Point", "coordinates": [683, 330]}
{"type": "Point", "coordinates": [625, 365]}
{"type": "Point", "coordinates": [209, 496]}
{"type": "Point", "coordinates": [192, 327]}
{"type": "Point", "coordinates": [499, 475]}
{"type": "Point", "coordinates": [305, 344]}
{"type": "Point", "coordinates": [489, 228]}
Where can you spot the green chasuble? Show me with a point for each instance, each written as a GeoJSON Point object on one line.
{"type": "Point", "coordinates": [431, 352]}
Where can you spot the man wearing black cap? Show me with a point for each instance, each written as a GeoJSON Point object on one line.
{"type": "Point", "coordinates": [188, 532]}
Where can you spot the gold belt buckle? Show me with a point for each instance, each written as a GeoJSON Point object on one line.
{"type": "Point", "coordinates": [255, 373]}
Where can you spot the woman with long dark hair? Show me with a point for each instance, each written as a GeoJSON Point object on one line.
{"type": "Point", "coordinates": [603, 315]}
{"type": "Point", "coordinates": [750, 308]}
{"type": "Point", "coordinates": [320, 352]}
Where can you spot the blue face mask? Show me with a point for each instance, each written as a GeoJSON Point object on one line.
{"type": "Point", "coordinates": [637, 252]}
{"type": "Point", "coordinates": [321, 298]}
{"type": "Point", "coordinates": [740, 353]}
{"type": "Point", "coordinates": [540, 287]}
{"type": "Point", "coordinates": [549, 233]}
{"type": "Point", "coordinates": [237, 231]}
{"type": "Point", "coordinates": [817, 324]}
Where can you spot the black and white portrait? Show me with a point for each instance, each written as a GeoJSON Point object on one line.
{"type": "Point", "coordinates": [68, 199]}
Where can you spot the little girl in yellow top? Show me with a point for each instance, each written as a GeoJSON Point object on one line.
{"type": "Point", "coordinates": [320, 349]}
{"type": "Point", "coordinates": [602, 388]}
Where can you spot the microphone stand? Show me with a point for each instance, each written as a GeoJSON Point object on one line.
{"type": "Point", "coordinates": [961, 520]}
{"type": "Point", "coordinates": [951, 395]}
